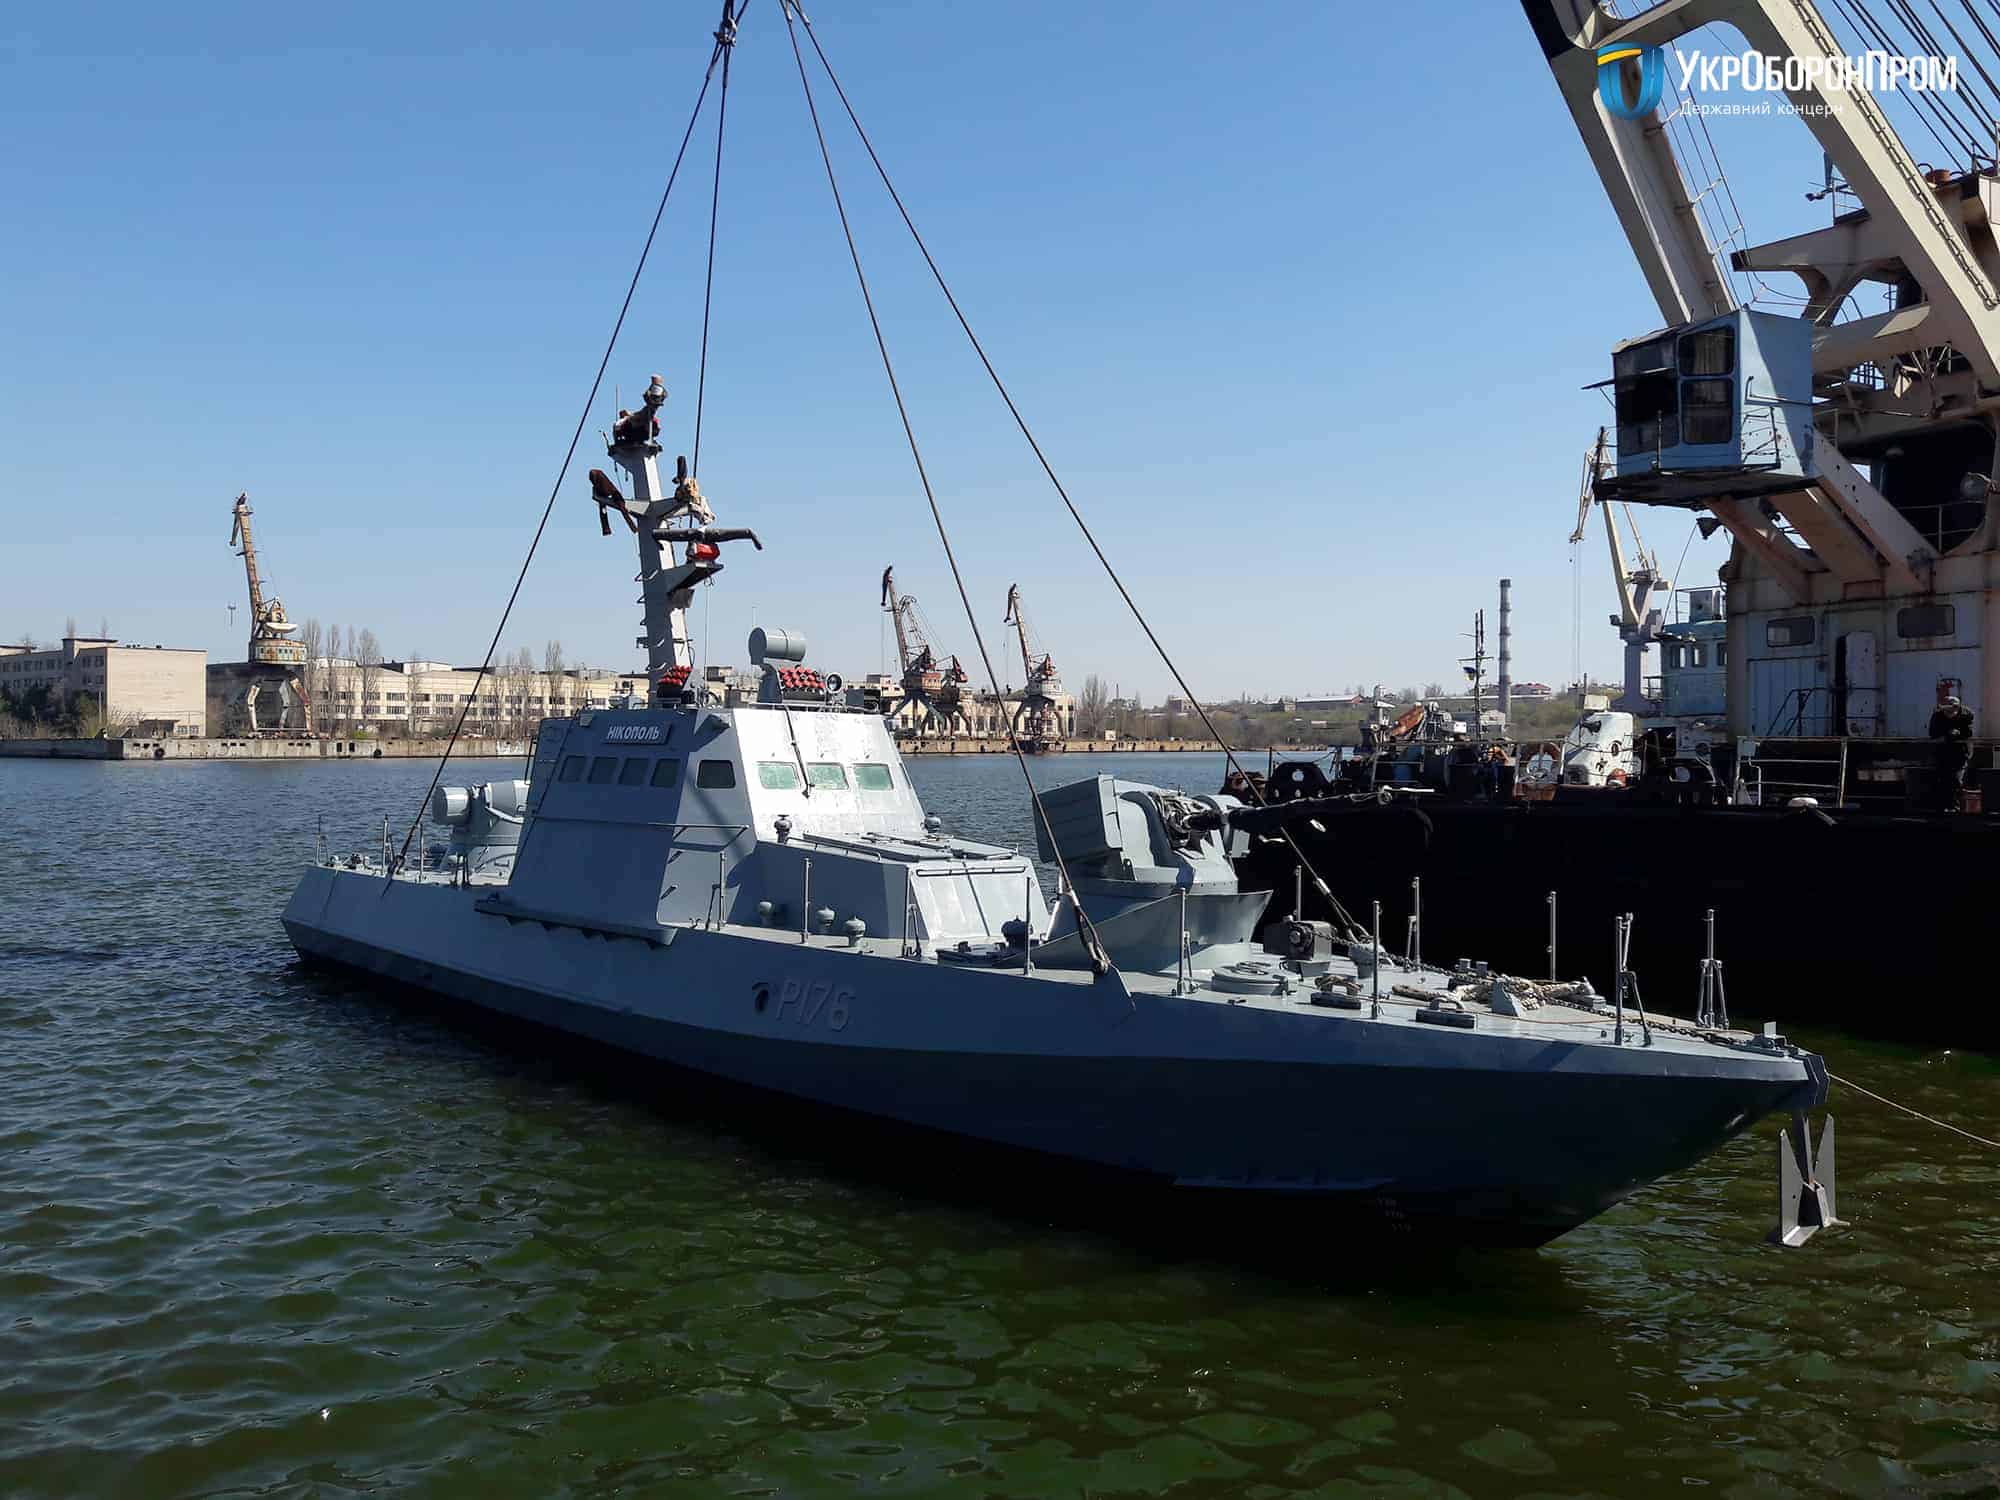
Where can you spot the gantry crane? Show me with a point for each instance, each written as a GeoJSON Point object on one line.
{"type": "Point", "coordinates": [1036, 722]}
{"type": "Point", "coordinates": [936, 693]}
{"type": "Point", "coordinates": [1877, 504]}
{"type": "Point", "coordinates": [271, 649]}
{"type": "Point", "coordinates": [1639, 622]}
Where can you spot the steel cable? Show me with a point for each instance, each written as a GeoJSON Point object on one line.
{"type": "Point", "coordinates": [1352, 930]}
{"type": "Point", "coordinates": [562, 473]}
{"type": "Point", "coordinates": [1100, 960]}
{"type": "Point", "coordinates": [725, 38]}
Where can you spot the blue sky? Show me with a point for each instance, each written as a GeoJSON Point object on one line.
{"type": "Point", "coordinates": [1302, 317]}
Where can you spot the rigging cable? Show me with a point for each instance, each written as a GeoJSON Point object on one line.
{"type": "Point", "coordinates": [1086, 929]}
{"type": "Point", "coordinates": [583, 417]}
{"type": "Point", "coordinates": [725, 38]}
{"type": "Point", "coordinates": [1352, 930]}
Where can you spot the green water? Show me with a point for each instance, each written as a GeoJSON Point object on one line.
{"type": "Point", "coordinates": [265, 1232]}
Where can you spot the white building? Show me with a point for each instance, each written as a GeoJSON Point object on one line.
{"type": "Point", "coordinates": [426, 697]}
{"type": "Point", "coordinates": [162, 689]}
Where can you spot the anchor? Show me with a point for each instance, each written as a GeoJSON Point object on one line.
{"type": "Point", "coordinates": [1805, 1183]}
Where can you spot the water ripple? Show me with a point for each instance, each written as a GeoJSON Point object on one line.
{"type": "Point", "coordinates": [267, 1233]}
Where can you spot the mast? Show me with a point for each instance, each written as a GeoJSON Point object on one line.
{"type": "Point", "coordinates": [672, 560]}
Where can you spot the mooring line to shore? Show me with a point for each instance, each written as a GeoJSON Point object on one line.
{"type": "Point", "coordinates": [1849, 1083]}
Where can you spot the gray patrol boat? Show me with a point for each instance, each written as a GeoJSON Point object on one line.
{"type": "Point", "coordinates": [754, 891]}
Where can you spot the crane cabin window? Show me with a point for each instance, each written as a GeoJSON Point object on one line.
{"type": "Point", "coordinates": [1646, 395]}
{"type": "Point", "coordinates": [1712, 351]}
{"type": "Point", "coordinates": [1920, 620]}
{"type": "Point", "coordinates": [1708, 411]}
{"type": "Point", "coordinates": [1792, 630]}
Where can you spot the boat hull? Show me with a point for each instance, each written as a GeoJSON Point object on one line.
{"type": "Point", "coordinates": [1487, 1140]}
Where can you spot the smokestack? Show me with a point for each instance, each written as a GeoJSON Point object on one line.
{"type": "Point", "coordinates": [1506, 647]}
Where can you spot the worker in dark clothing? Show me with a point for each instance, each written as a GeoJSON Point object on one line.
{"type": "Point", "coordinates": [1951, 738]}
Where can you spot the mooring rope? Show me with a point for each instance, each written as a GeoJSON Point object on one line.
{"type": "Point", "coordinates": [1916, 1114]}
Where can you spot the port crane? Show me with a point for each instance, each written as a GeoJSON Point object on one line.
{"type": "Point", "coordinates": [935, 692]}
{"type": "Point", "coordinates": [1639, 622]}
{"type": "Point", "coordinates": [1036, 722]}
{"type": "Point", "coordinates": [274, 658]}
{"type": "Point", "coordinates": [1849, 453]}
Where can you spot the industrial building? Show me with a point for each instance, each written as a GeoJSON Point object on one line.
{"type": "Point", "coordinates": [160, 690]}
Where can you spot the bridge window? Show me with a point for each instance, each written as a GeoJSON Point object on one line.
{"type": "Point", "coordinates": [776, 775]}
{"type": "Point", "coordinates": [1792, 630]}
{"type": "Point", "coordinates": [826, 774]}
{"type": "Point", "coordinates": [1926, 619]}
{"type": "Point", "coordinates": [871, 776]}
{"type": "Point", "coordinates": [633, 772]}
{"type": "Point", "coordinates": [666, 772]}
{"type": "Point", "coordinates": [602, 769]}
{"type": "Point", "coordinates": [715, 775]}
{"type": "Point", "coordinates": [572, 768]}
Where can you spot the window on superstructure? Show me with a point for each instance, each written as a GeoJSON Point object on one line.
{"type": "Point", "coordinates": [776, 775]}
{"type": "Point", "coordinates": [633, 772]}
{"type": "Point", "coordinates": [826, 773]}
{"type": "Point", "coordinates": [666, 772]}
{"type": "Point", "coordinates": [1792, 630]}
{"type": "Point", "coordinates": [572, 768]}
{"type": "Point", "coordinates": [602, 769]}
{"type": "Point", "coordinates": [715, 775]}
{"type": "Point", "coordinates": [872, 776]}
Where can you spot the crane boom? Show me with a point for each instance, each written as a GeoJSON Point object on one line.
{"type": "Point", "coordinates": [239, 533]}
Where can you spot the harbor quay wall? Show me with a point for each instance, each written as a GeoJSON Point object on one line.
{"type": "Point", "coordinates": [305, 747]}
{"type": "Point", "coordinates": [300, 747]}
{"type": "Point", "coordinates": [1089, 747]}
